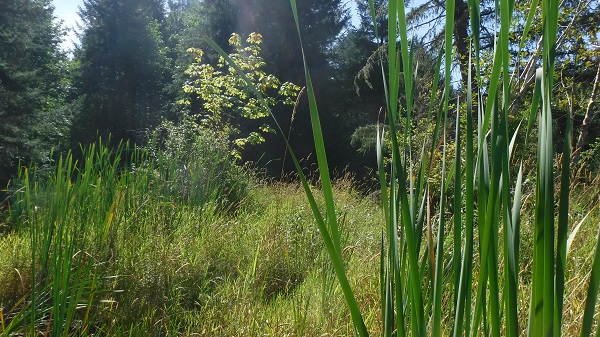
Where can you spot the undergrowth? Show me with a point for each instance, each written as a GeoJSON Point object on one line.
{"type": "Point", "coordinates": [164, 267]}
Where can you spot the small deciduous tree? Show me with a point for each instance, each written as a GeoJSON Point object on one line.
{"type": "Point", "coordinates": [227, 104]}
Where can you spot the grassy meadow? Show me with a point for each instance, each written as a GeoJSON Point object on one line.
{"type": "Point", "coordinates": [122, 251]}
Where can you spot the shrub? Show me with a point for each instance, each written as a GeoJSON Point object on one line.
{"type": "Point", "coordinates": [196, 165]}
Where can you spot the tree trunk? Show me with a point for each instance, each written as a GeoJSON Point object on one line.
{"type": "Point", "coordinates": [587, 120]}
{"type": "Point", "coordinates": [461, 40]}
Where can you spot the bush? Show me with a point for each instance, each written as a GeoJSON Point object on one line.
{"type": "Point", "coordinates": [196, 165]}
{"type": "Point", "coordinates": [590, 158]}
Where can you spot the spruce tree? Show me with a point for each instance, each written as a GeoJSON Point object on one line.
{"type": "Point", "coordinates": [123, 69]}
{"type": "Point", "coordinates": [32, 83]}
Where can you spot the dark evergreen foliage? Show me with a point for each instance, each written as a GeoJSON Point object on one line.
{"type": "Point", "coordinates": [123, 69]}
{"type": "Point", "coordinates": [32, 84]}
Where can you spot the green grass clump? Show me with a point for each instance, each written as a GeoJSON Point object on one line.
{"type": "Point", "coordinates": [196, 164]}
{"type": "Point", "coordinates": [95, 228]}
{"type": "Point", "coordinates": [130, 257]}
{"type": "Point", "coordinates": [15, 269]}
{"type": "Point", "coordinates": [160, 266]}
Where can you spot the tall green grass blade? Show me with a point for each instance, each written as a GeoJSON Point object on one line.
{"type": "Point", "coordinates": [381, 174]}
{"type": "Point", "coordinates": [527, 27]}
{"type": "Point", "coordinates": [467, 265]}
{"type": "Point", "coordinates": [546, 210]}
{"type": "Point", "coordinates": [374, 18]}
{"type": "Point", "coordinates": [482, 195]}
{"type": "Point", "coordinates": [437, 301]}
{"type": "Point", "coordinates": [329, 233]}
{"type": "Point", "coordinates": [516, 214]}
{"type": "Point", "coordinates": [543, 276]}
{"type": "Point", "coordinates": [421, 192]}
{"type": "Point", "coordinates": [475, 25]}
{"type": "Point", "coordinates": [592, 294]}
{"type": "Point", "coordinates": [398, 169]}
{"type": "Point", "coordinates": [449, 31]}
{"type": "Point", "coordinates": [387, 306]}
{"type": "Point", "coordinates": [512, 254]}
{"type": "Point", "coordinates": [498, 149]}
{"type": "Point", "coordinates": [563, 227]}
{"type": "Point", "coordinates": [462, 305]}
{"type": "Point", "coordinates": [457, 203]}
{"type": "Point", "coordinates": [406, 60]}
{"type": "Point", "coordinates": [322, 163]}
{"type": "Point", "coordinates": [34, 243]}
{"type": "Point", "coordinates": [486, 190]}
{"type": "Point", "coordinates": [385, 267]}
{"type": "Point", "coordinates": [511, 240]}
{"type": "Point", "coordinates": [542, 315]}
{"type": "Point", "coordinates": [535, 103]}
{"type": "Point", "coordinates": [393, 70]}
{"type": "Point", "coordinates": [436, 319]}
{"type": "Point", "coordinates": [359, 324]}
{"type": "Point", "coordinates": [503, 47]}
{"type": "Point", "coordinates": [489, 190]}
{"type": "Point", "coordinates": [492, 90]}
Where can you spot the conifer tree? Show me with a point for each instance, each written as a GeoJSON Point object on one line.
{"type": "Point", "coordinates": [123, 69]}
{"type": "Point", "coordinates": [32, 83]}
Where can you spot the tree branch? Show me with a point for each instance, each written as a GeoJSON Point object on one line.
{"type": "Point", "coordinates": [587, 120]}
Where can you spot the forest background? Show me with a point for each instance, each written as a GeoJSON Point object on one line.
{"type": "Point", "coordinates": [126, 74]}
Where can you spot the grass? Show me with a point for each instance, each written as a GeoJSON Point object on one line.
{"type": "Point", "coordinates": [173, 267]}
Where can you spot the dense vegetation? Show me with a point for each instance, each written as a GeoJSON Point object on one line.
{"type": "Point", "coordinates": [142, 173]}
